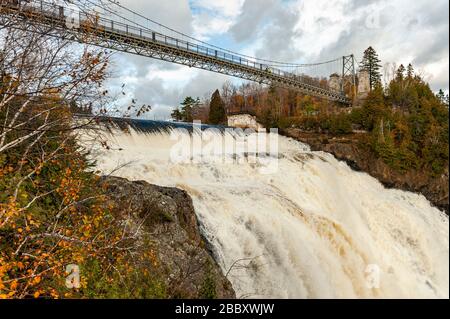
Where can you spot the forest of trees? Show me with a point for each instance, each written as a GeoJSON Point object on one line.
{"type": "Point", "coordinates": [407, 123]}
{"type": "Point", "coordinates": [210, 111]}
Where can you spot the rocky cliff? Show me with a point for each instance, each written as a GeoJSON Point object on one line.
{"type": "Point", "coordinates": [169, 226]}
{"type": "Point", "coordinates": [348, 149]}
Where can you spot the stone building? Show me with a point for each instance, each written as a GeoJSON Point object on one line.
{"type": "Point", "coordinates": [335, 82]}
{"type": "Point", "coordinates": [363, 84]}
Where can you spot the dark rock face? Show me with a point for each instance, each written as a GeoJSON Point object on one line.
{"type": "Point", "coordinates": [435, 189]}
{"type": "Point", "coordinates": [170, 225]}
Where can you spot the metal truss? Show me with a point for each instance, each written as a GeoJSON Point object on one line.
{"type": "Point", "coordinates": [105, 33]}
{"type": "Point", "coordinates": [348, 74]}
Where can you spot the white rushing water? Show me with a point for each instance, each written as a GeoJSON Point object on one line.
{"type": "Point", "coordinates": [313, 229]}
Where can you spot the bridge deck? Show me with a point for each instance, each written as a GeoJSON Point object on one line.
{"type": "Point", "coordinates": [50, 19]}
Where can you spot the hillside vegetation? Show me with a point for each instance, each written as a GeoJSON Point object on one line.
{"type": "Point", "coordinates": [406, 124]}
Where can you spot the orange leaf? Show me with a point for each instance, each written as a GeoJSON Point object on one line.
{"type": "Point", "coordinates": [14, 285]}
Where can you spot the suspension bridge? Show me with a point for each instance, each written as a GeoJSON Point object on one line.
{"type": "Point", "coordinates": [118, 28]}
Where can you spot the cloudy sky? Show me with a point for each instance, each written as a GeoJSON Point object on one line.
{"type": "Point", "coordinates": [300, 31]}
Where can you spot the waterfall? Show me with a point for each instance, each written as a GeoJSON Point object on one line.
{"type": "Point", "coordinates": [314, 228]}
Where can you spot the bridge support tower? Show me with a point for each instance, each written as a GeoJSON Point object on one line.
{"type": "Point", "coordinates": [348, 82]}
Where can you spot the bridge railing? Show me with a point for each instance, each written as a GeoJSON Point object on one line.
{"type": "Point", "coordinates": [49, 8]}
{"type": "Point", "coordinates": [150, 35]}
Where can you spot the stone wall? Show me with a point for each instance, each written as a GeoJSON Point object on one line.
{"type": "Point", "coordinates": [363, 84]}
{"type": "Point", "coordinates": [335, 82]}
{"type": "Point", "coordinates": [348, 148]}
{"type": "Point", "coordinates": [244, 121]}
{"type": "Point", "coordinates": [166, 223]}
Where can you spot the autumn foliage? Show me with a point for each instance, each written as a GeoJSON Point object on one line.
{"type": "Point", "coordinates": [53, 213]}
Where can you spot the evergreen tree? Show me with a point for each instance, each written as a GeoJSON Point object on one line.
{"type": "Point", "coordinates": [176, 115]}
{"type": "Point", "coordinates": [371, 64]}
{"type": "Point", "coordinates": [186, 108]}
{"type": "Point", "coordinates": [410, 72]}
{"type": "Point", "coordinates": [443, 97]}
{"type": "Point", "coordinates": [217, 113]}
{"type": "Point", "coordinates": [400, 72]}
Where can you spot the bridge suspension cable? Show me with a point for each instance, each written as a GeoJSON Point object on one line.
{"type": "Point", "coordinates": [309, 72]}
{"type": "Point", "coordinates": [266, 61]}
{"type": "Point", "coordinates": [315, 70]}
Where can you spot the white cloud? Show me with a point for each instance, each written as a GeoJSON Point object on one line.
{"type": "Point", "coordinates": [214, 17]}
{"type": "Point", "coordinates": [229, 8]}
{"type": "Point", "coordinates": [173, 13]}
{"type": "Point", "coordinates": [206, 26]}
{"type": "Point", "coordinates": [320, 24]}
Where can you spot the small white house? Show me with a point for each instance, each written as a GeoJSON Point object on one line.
{"type": "Point", "coordinates": [244, 121]}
